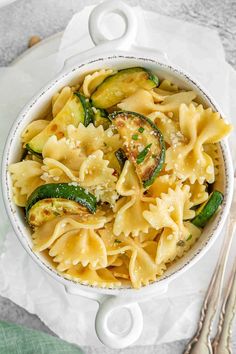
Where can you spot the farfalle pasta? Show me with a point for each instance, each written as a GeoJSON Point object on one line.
{"type": "Point", "coordinates": [120, 178]}
{"type": "Point", "coordinates": [186, 157]}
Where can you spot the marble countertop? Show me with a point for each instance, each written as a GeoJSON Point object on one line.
{"type": "Point", "coordinates": [24, 18]}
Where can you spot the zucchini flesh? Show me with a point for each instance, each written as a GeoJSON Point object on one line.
{"type": "Point", "coordinates": [143, 144]}
{"type": "Point", "coordinates": [208, 209]}
{"type": "Point", "coordinates": [37, 154]}
{"type": "Point", "coordinates": [47, 209]}
{"type": "Point", "coordinates": [72, 113]}
{"type": "Point", "coordinates": [101, 118]}
{"type": "Point", "coordinates": [121, 85]}
{"type": "Point", "coordinates": [70, 191]}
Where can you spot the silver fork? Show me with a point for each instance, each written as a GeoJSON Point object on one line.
{"type": "Point", "coordinates": [222, 340]}
{"type": "Point", "coordinates": [201, 342]}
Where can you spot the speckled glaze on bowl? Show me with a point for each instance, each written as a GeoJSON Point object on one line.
{"type": "Point", "coordinates": [117, 54]}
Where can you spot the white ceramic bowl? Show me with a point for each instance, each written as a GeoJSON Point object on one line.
{"type": "Point", "coordinates": [119, 53]}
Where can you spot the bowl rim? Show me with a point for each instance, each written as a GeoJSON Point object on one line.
{"type": "Point", "coordinates": [164, 280]}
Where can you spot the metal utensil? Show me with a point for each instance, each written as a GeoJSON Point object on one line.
{"type": "Point", "coordinates": [201, 342]}
{"type": "Point", "coordinates": [222, 340]}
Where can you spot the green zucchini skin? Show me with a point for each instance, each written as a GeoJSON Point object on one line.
{"type": "Point", "coordinates": [122, 84]}
{"type": "Point", "coordinates": [88, 112]}
{"type": "Point", "coordinates": [37, 154]}
{"type": "Point", "coordinates": [208, 209]}
{"type": "Point", "coordinates": [116, 160]}
{"type": "Point", "coordinates": [101, 118]}
{"type": "Point", "coordinates": [153, 163]}
{"type": "Point", "coordinates": [47, 209]}
{"type": "Point", "coordinates": [121, 157]}
{"type": "Point", "coordinates": [62, 190]}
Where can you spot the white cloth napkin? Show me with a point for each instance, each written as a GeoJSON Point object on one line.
{"type": "Point", "coordinates": [174, 315]}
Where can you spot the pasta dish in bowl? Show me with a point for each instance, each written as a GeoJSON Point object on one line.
{"type": "Point", "coordinates": [120, 176]}
{"type": "Point", "coordinates": [116, 176]}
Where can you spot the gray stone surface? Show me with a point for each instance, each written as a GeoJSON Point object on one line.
{"type": "Point", "coordinates": [25, 18]}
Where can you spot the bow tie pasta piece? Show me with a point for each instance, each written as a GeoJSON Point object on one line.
{"type": "Point", "coordinates": [58, 172]}
{"type": "Point", "coordinates": [167, 126]}
{"type": "Point", "coordinates": [89, 138]}
{"type": "Point", "coordinates": [95, 171]}
{"type": "Point", "coordinates": [114, 245]}
{"type": "Point", "coordinates": [114, 260]}
{"type": "Point", "coordinates": [194, 234]}
{"type": "Point", "coordinates": [95, 175]}
{"type": "Point", "coordinates": [112, 140]}
{"type": "Point", "coordinates": [121, 269]}
{"type": "Point", "coordinates": [150, 236]}
{"type": "Point", "coordinates": [170, 246]}
{"type": "Point", "coordinates": [92, 81]}
{"type": "Point", "coordinates": [50, 231]}
{"type": "Point", "coordinates": [187, 159]}
{"type": "Point", "coordinates": [198, 193]}
{"type": "Point", "coordinates": [162, 185]}
{"type": "Point", "coordinates": [167, 85]}
{"type": "Point", "coordinates": [132, 203]}
{"type": "Point", "coordinates": [100, 277]}
{"type": "Point", "coordinates": [171, 103]}
{"type": "Point", "coordinates": [142, 101]}
{"type": "Point", "coordinates": [141, 265]}
{"type": "Point", "coordinates": [83, 246]}
{"type": "Point", "coordinates": [33, 129]}
{"type": "Point", "coordinates": [213, 151]}
{"type": "Point", "coordinates": [128, 183]}
{"type": "Point", "coordinates": [26, 177]}
{"type": "Point", "coordinates": [151, 248]}
{"type": "Point", "coordinates": [170, 210]}
{"type": "Point", "coordinates": [125, 222]}
{"type": "Point", "coordinates": [166, 88]}
{"type": "Point", "coordinates": [59, 100]}
{"type": "Point", "coordinates": [142, 269]}
{"type": "Point", "coordinates": [159, 95]}
{"type": "Point", "coordinates": [64, 151]}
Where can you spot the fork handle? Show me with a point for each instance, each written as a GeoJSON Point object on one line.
{"type": "Point", "coordinates": [201, 343]}
{"type": "Point", "coordinates": [222, 341]}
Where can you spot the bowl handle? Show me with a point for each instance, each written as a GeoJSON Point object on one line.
{"type": "Point", "coordinates": [123, 339]}
{"type": "Point", "coordinates": [127, 14]}
{"type": "Point", "coordinates": [104, 45]}
{"type": "Point", "coordinates": [122, 45]}
{"type": "Point", "coordinates": [107, 304]}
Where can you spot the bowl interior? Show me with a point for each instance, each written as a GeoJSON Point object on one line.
{"type": "Point", "coordinates": [41, 103]}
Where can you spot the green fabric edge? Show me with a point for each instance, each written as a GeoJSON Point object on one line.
{"type": "Point", "coordinates": [15, 339]}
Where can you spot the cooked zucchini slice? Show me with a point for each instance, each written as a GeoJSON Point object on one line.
{"type": "Point", "coordinates": [47, 209]}
{"type": "Point", "coordinates": [121, 157]}
{"type": "Point", "coordinates": [88, 114]}
{"type": "Point", "coordinates": [122, 84]}
{"type": "Point", "coordinates": [208, 209]}
{"type": "Point", "coordinates": [116, 160]}
{"type": "Point", "coordinates": [143, 143]}
{"type": "Point", "coordinates": [75, 111]}
{"type": "Point", "coordinates": [101, 118]}
{"type": "Point", "coordinates": [70, 191]}
{"type": "Point", "coordinates": [37, 154]}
